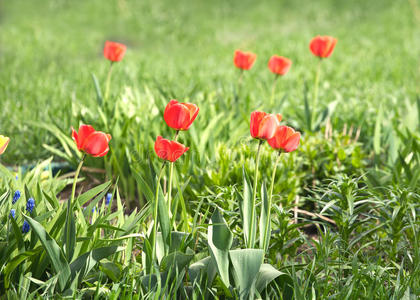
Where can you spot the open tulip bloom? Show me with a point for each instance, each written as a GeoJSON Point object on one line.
{"type": "Point", "coordinates": [180, 116]}
{"type": "Point", "coordinates": [114, 52]}
{"type": "Point", "coordinates": [244, 60]}
{"type": "Point", "coordinates": [4, 141]}
{"type": "Point", "coordinates": [93, 143]}
{"type": "Point", "coordinates": [169, 150]}
{"type": "Point", "coordinates": [322, 47]}
{"type": "Point", "coordinates": [279, 66]}
{"type": "Point", "coordinates": [90, 141]}
{"type": "Point", "coordinates": [285, 139]}
{"type": "Point", "coordinates": [262, 127]}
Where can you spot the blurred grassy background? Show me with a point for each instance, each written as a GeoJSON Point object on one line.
{"type": "Point", "coordinates": [48, 50]}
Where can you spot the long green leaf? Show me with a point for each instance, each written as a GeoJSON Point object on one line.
{"type": "Point", "coordinates": [220, 241]}
{"type": "Point", "coordinates": [247, 264]}
{"type": "Point", "coordinates": [56, 255]}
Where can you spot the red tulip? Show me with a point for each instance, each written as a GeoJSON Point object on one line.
{"type": "Point", "coordinates": [244, 60]}
{"type": "Point", "coordinates": [263, 125]}
{"type": "Point", "coordinates": [94, 143]}
{"type": "Point", "coordinates": [4, 141]}
{"type": "Point", "coordinates": [285, 138]}
{"type": "Point", "coordinates": [180, 116]}
{"type": "Point", "coordinates": [279, 65]}
{"type": "Point", "coordinates": [322, 46]}
{"type": "Point", "coordinates": [114, 51]}
{"type": "Point", "coordinates": [169, 150]}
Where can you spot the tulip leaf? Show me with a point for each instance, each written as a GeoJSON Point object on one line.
{"type": "Point", "coordinates": [220, 241]}
{"type": "Point", "coordinates": [84, 263]}
{"type": "Point", "coordinates": [176, 261]}
{"type": "Point", "coordinates": [85, 197]}
{"type": "Point", "coordinates": [308, 113]}
{"type": "Point", "coordinates": [246, 264]}
{"type": "Point", "coordinates": [16, 261]}
{"type": "Point", "coordinates": [97, 89]}
{"type": "Point", "coordinates": [246, 207]}
{"type": "Point", "coordinates": [54, 252]}
{"type": "Point", "coordinates": [164, 221]}
{"type": "Point", "coordinates": [69, 236]}
{"type": "Point", "coordinates": [266, 274]}
{"type": "Point", "coordinates": [264, 218]}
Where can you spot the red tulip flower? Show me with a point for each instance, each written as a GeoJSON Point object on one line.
{"type": "Point", "coordinates": [244, 60]}
{"type": "Point", "coordinates": [285, 138]}
{"type": "Point", "coordinates": [263, 125]}
{"type": "Point", "coordinates": [90, 141]}
{"type": "Point", "coordinates": [114, 51]}
{"type": "Point", "coordinates": [279, 65]}
{"type": "Point", "coordinates": [169, 150]}
{"type": "Point", "coordinates": [322, 46]}
{"type": "Point", "coordinates": [180, 116]}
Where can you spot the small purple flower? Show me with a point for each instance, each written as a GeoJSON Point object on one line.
{"type": "Point", "coordinates": [30, 205]}
{"type": "Point", "coordinates": [25, 227]}
{"type": "Point", "coordinates": [13, 213]}
{"type": "Point", "coordinates": [108, 198]}
{"type": "Point", "coordinates": [93, 209]}
{"type": "Point", "coordinates": [16, 197]}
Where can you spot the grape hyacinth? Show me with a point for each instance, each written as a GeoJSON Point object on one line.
{"type": "Point", "coordinates": [16, 197]}
{"type": "Point", "coordinates": [108, 198]}
{"type": "Point", "coordinates": [30, 205]}
{"type": "Point", "coordinates": [25, 227]}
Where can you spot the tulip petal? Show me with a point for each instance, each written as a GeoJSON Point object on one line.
{"type": "Point", "coordinates": [84, 132]}
{"type": "Point", "coordinates": [162, 147]}
{"type": "Point", "coordinates": [177, 117]}
{"type": "Point", "coordinates": [177, 149]}
{"type": "Point", "coordinates": [96, 144]}
{"type": "Point", "coordinates": [293, 142]}
{"type": "Point", "coordinates": [256, 118]}
{"type": "Point", "coordinates": [268, 127]}
{"type": "Point", "coordinates": [193, 109]}
{"type": "Point", "coordinates": [75, 137]}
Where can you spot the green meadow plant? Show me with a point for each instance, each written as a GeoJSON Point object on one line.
{"type": "Point", "coordinates": [332, 216]}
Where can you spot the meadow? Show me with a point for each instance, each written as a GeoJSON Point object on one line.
{"type": "Point", "coordinates": [336, 217]}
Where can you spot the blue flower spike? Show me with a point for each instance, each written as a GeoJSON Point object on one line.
{"type": "Point", "coordinates": [30, 205]}
{"type": "Point", "coordinates": [25, 227]}
{"type": "Point", "coordinates": [108, 198]}
{"type": "Point", "coordinates": [16, 197]}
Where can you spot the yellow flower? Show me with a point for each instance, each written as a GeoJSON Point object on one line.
{"type": "Point", "coordinates": [4, 141]}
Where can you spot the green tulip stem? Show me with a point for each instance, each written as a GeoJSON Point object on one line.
{"type": "Point", "coordinates": [273, 88]}
{"type": "Point", "coordinates": [108, 81]}
{"type": "Point", "coordinates": [251, 240]}
{"type": "Point", "coordinates": [171, 171]}
{"type": "Point", "coordinates": [155, 217]}
{"type": "Point", "coordinates": [316, 88]}
{"type": "Point", "coordinates": [270, 201]}
{"type": "Point", "coordinates": [70, 202]}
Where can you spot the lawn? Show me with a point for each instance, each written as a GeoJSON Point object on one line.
{"type": "Point", "coordinates": [345, 205]}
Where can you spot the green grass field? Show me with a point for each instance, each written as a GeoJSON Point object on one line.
{"type": "Point", "coordinates": [345, 218]}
